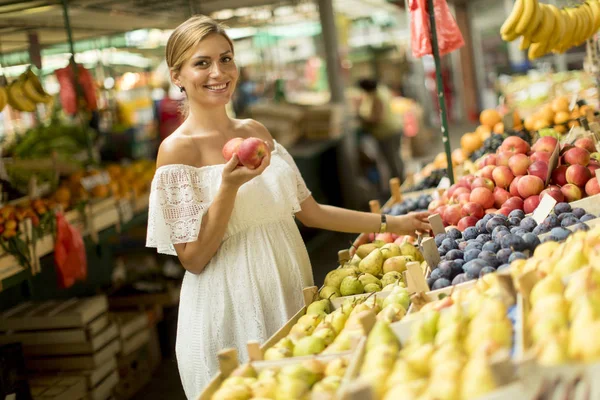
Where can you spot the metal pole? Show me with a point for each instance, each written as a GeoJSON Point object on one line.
{"type": "Point", "coordinates": [328, 29]}
{"type": "Point", "coordinates": [78, 89]}
{"type": "Point", "coordinates": [440, 88]}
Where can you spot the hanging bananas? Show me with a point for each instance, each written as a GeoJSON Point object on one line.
{"type": "Point", "coordinates": [544, 28]}
{"type": "Point", "coordinates": [24, 93]}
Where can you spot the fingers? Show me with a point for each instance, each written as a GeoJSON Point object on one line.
{"type": "Point", "coordinates": [421, 216]}
{"type": "Point", "coordinates": [232, 163]}
{"type": "Point", "coordinates": [266, 161]}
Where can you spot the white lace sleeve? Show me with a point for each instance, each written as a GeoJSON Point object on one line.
{"type": "Point", "coordinates": [177, 205]}
{"type": "Point", "coordinates": [302, 191]}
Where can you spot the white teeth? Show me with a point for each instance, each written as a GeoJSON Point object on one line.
{"type": "Point", "coordinates": [218, 87]}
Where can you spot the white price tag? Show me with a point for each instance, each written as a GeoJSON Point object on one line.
{"type": "Point", "coordinates": [573, 102]}
{"type": "Point", "coordinates": [125, 210]}
{"type": "Point", "coordinates": [543, 209]}
{"type": "Point", "coordinates": [444, 183]}
{"type": "Point", "coordinates": [90, 182]}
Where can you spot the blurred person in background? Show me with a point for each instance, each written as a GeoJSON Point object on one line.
{"type": "Point", "coordinates": [169, 117]}
{"type": "Point", "coordinates": [246, 94]}
{"type": "Point", "coordinates": [377, 120]}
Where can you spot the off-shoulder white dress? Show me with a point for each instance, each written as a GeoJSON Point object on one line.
{"type": "Point", "coordinates": [254, 283]}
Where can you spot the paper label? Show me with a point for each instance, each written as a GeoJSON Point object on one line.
{"type": "Point", "coordinates": [444, 183]}
{"type": "Point", "coordinates": [544, 209]}
{"type": "Point", "coordinates": [430, 252]}
{"type": "Point", "coordinates": [573, 102]}
{"type": "Point", "coordinates": [437, 225]}
{"type": "Point", "coordinates": [90, 182]}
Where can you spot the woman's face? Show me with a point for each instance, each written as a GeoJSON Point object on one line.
{"type": "Point", "coordinates": [209, 76]}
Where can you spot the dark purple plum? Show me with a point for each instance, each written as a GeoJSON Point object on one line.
{"type": "Point", "coordinates": [562, 216]}
{"type": "Point", "coordinates": [500, 235]}
{"type": "Point", "coordinates": [513, 242]}
{"type": "Point", "coordinates": [587, 217]}
{"type": "Point", "coordinates": [471, 254]}
{"type": "Point", "coordinates": [449, 244]}
{"type": "Point", "coordinates": [457, 267]}
{"type": "Point", "coordinates": [569, 221]}
{"type": "Point", "coordinates": [439, 238]}
{"type": "Point", "coordinates": [463, 245]}
{"type": "Point", "coordinates": [578, 212]}
{"type": "Point", "coordinates": [489, 258]}
{"type": "Point", "coordinates": [561, 208]}
{"type": "Point", "coordinates": [475, 244]}
{"type": "Point", "coordinates": [503, 267]}
{"type": "Point", "coordinates": [491, 246]}
{"type": "Point", "coordinates": [430, 282]}
{"type": "Point", "coordinates": [484, 237]}
{"type": "Point", "coordinates": [531, 240]}
{"type": "Point", "coordinates": [517, 255]}
{"type": "Point", "coordinates": [441, 283]}
{"type": "Point", "coordinates": [480, 225]}
{"type": "Point", "coordinates": [460, 278]}
{"type": "Point", "coordinates": [503, 254]}
{"type": "Point", "coordinates": [470, 233]}
{"type": "Point", "coordinates": [486, 270]}
{"type": "Point", "coordinates": [498, 229]}
{"type": "Point", "coordinates": [442, 250]}
{"type": "Point", "coordinates": [552, 221]}
{"type": "Point", "coordinates": [516, 214]}
{"type": "Point", "coordinates": [528, 224]}
{"type": "Point", "coordinates": [580, 227]}
{"type": "Point", "coordinates": [493, 223]}
{"type": "Point", "coordinates": [518, 231]}
{"type": "Point", "coordinates": [454, 255]}
{"type": "Point", "coordinates": [435, 274]}
{"type": "Point", "coordinates": [445, 269]}
{"type": "Point", "coordinates": [454, 233]}
{"type": "Point", "coordinates": [558, 234]}
{"type": "Point", "coordinates": [514, 221]}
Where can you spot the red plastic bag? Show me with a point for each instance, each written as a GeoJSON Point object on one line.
{"type": "Point", "coordinates": [448, 34]}
{"type": "Point", "coordinates": [67, 88]}
{"type": "Point", "coordinates": [69, 253]}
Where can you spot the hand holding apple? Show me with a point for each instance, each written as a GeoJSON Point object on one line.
{"type": "Point", "coordinates": [250, 151]}
{"type": "Point", "coordinates": [235, 176]}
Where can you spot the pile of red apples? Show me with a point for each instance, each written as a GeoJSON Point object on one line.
{"type": "Point", "coordinates": [515, 178]}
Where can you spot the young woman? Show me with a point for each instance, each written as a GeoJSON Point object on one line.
{"type": "Point", "coordinates": [232, 227]}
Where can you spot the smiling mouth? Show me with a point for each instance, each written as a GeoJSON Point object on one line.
{"type": "Point", "coordinates": [218, 88]}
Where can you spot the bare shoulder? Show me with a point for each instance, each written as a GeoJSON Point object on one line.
{"type": "Point", "coordinates": [255, 128]}
{"type": "Point", "coordinates": [177, 149]}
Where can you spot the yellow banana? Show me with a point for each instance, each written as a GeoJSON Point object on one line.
{"type": "Point", "coordinates": [536, 22]}
{"type": "Point", "coordinates": [508, 28]}
{"type": "Point", "coordinates": [595, 7]}
{"type": "Point", "coordinates": [584, 27]}
{"type": "Point", "coordinates": [536, 50]}
{"type": "Point", "coordinates": [17, 99]}
{"type": "Point", "coordinates": [574, 25]}
{"type": "Point", "coordinates": [529, 8]}
{"type": "Point", "coordinates": [559, 29]}
{"type": "Point", "coordinates": [545, 29]}
{"type": "Point", "coordinates": [32, 87]}
{"type": "Point", "coordinates": [525, 43]}
{"type": "Point", "coordinates": [3, 98]}
{"type": "Point", "coordinates": [591, 20]}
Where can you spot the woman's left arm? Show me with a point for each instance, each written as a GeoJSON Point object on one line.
{"type": "Point", "coordinates": [315, 215]}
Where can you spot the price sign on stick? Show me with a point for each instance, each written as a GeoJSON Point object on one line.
{"type": "Point", "coordinates": [543, 209]}
{"type": "Point", "coordinates": [430, 252]}
{"type": "Point", "coordinates": [436, 224]}
{"type": "Point", "coordinates": [90, 182]}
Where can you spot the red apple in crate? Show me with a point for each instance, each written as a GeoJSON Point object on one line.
{"type": "Point", "coordinates": [578, 175]}
{"type": "Point", "coordinates": [559, 175]}
{"type": "Point", "coordinates": [467, 180]}
{"type": "Point", "coordinates": [593, 166]}
{"type": "Point", "coordinates": [440, 210]}
{"type": "Point", "coordinates": [483, 196]}
{"type": "Point", "coordinates": [595, 156]}
{"type": "Point", "coordinates": [539, 169]}
{"type": "Point", "coordinates": [502, 176]}
{"type": "Point", "coordinates": [386, 237]}
{"type": "Point", "coordinates": [490, 159]}
{"type": "Point", "coordinates": [541, 156]}
{"type": "Point", "coordinates": [514, 203]}
{"type": "Point", "coordinates": [586, 143]}
{"type": "Point", "coordinates": [571, 192]}
{"type": "Point", "coordinates": [547, 144]}
{"type": "Point", "coordinates": [251, 152]}
{"type": "Point", "coordinates": [592, 187]}
{"type": "Point", "coordinates": [231, 147]}
{"type": "Point", "coordinates": [530, 185]}
{"type": "Point", "coordinates": [518, 164]}
{"type": "Point", "coordinates": [500, 196]}
{"type": "Point", "coordinates": [491, 211]}
{"type": "Point", "coordinates": [466, 222]}
{"type": "Point", "coordinates": [472, 209]}
{"type": "Point", "coordinates": [460, 190]}
{"type": "Point", "coordinates": [451, 189]}
{"type": "Point", "coordinates": [514, 191]}
{"type": "Point", "coordinates": [503, 157]}
{"type": "Point", "coordinates": [554, 192]}
{"type": "Point", "coordinates": [452, 214]}
{"type": "Point", "coordinates": [514, 144]}
{"type": "Point", "coordinates": [482, 182]}
{"type": "Point", "coordinates": [504, 211]}
{"type": "Point", "coordinates": [486, 172]}
{"type": "Point", "coordinates": [565, 147]}
{"type": "Point", "coordinates": [433, 205]}
{"type": "Point", "coordinates": [531, 204]}
{"type": "Point", "coordinates": [577, 156]}
{"type": "Point", "coordinates": [463, 198]}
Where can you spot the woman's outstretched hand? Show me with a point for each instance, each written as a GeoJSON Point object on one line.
{"type": "Point", "coordinates": [409, 224]}
{"type": "Point", "coordinates": [235, 175]}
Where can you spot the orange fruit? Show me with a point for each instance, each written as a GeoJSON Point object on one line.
{"type": "Point", "coordinates": [499, 128]}
{"type": "Point", "coordinates": [560, 104]}
{"type": "Point", "coordinates": [490, 118]}
{"type": "Point", "coordinates": [458, 156]}
{"type": "Point", "coordinates": [63, 195]}
{"type": "Point", "coordinates": [517, 119]}
{"type": "Point", "coordinates": [546, 113]}
{"type": "Point", "coordinates": [573, 123]}
{"type": "Point", "coordinates": [541, 124]}
{"type": "Point", "coordinates": [469, 142]}
{"type": "Point", "coordinates": [530, 122]}
{"type": "Point", "coordinates": [560, 128]}
{"type": "Point", "coordinates": [10, 225]}
{"type": "Point", "coordinates": [561, 117]}
{"type": "Point", "coordinates": [100, 191]}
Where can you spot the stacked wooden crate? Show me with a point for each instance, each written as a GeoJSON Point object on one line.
{"type": "Point", "coordinates": [65, 342]}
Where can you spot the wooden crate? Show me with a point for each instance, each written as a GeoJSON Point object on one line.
{"type": "Point", "coordinates": [58, 388]}
{"type": "Point", "coordinates": [134, 373]}
{"type": "Point", "coordinates": [53, 314]}
{"type": "Point", "coordinates": [133, 330]}
{"type": "Point", "coordinates": [104, 390]}
{"type": "Point", "coordinates": [170, 297]}
{"type": "Point", "coordinates": [90, 346]}
{"type": "Point", "coordinates": [103, 214]}
{"type": "Point", "coordinates": [75, 362]}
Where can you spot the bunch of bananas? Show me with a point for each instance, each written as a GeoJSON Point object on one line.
{"type": "Point", "coordinates": [546, 28]}
{"type": "Point", "coordinates": [24, 93]}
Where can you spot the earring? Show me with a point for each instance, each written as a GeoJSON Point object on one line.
{"type": "Point", "coordinates": [181, 89]}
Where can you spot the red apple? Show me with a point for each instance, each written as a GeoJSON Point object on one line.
{"type": "Point", "coordinates": [559, 175]}
{"type": "Point", "coordinates": [515, 145]}
{"type": "Point", "coordinates": [452, 214]}
{"type": "Point", "coordinates": [231, 147]}
{"type": "Point", "coordinates": [518, 164]}
{"type": "Point", "coordinates": [592, 187]}
{"type": "Point", "coordinates": [593, 166]}
{"type": "Point", "coordinates": [385, 237]}
{"type": "Point", "coordinates": [463, 198]}
{"type": "Point", "coordinates": [530, 185]}
{"type": "Point", "coordinates": [554, 192]}
{"type": "Point", "coordinates": [252, 151]}
{"type": "Point", "coordinates": [466, 222]}
{"type": "Point", "coordinates": [571, 192]}
{"type": "Point", "coordinates": [482, 182]}
{"type": "Point", "coordinates": [539, 169]}
{"type": "Point", "coordinates": [578, 175]}
{"type": "Point", "coordinates": [433, 205]}
{"type": "Point", "coordinates": [531, 204]}
{"type": "Point", "coordinates": [491, 211]}
{"type": "Point", "coordinates": [502, 176]}
{"type": "Point", "coordinates": [595, 156]}
{"type": "Point", "coordinates": [483, 196]}
{"type": "Point", "coordinates": [467, 180]}
{"type": "Point", "coordinates": [514, 191]}
{"type": "Point", "coordinates": [541, 156]}
{"type": "Point", "coordinates": [490, 159]}
{"type": "Point", "coordinates": [577, 156]}
{"type": "Point", "coordinates": [504, 211]}
{"type": "Point", "coordinates": [514, 203]}
{"type": "Point", "coordinates": [547, 143]}
{"type": "Point", "coordinates": [472, 209]}
{"type": "Point", "coordinates": [503, 157]}
{"type": "Point", "coordinates": [486, 172]}
{"type": "Point", "coordinates": [460, 190]}
{"type": "Point", "coordinates": [586, 143]}
{"type": "Point", "coordinates": [500, 196]}
{"type": "Point", "coordinates": [565, 147]}
{"type": "Point", "coordinates": [440, 210]}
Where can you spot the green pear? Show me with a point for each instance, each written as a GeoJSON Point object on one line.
{"type": "Point", "coordinates": [390, 278]}
{"type": "Point", "coordinates": [548, 285]}
{"type": "Point", "coordinates": [310, 320]}
{"type": "Point", "coordinates": [245, 370]}
{"type": "Point", "coordinates": [329, 384]}
{"type": "Point", "coordinates": [419, 357]}
{"type": "Point", "coordinates": [397, 264]}
{"type": "Point", "coordinates": [239, 392]}
{"type": "Point", "coordinates": [334, 278]}
{"type": "Point", "coordinates": [234, 381]}
{"type": "Point", "coordinates": [326, 333]}
{"type": "Point", "coordinates": [297, 372]}
{"type": "Point", "coordinates": [268, 373]}
{"type": "Point", "coordinates": [372, 263]}
{"type": "Point", "coordinates": [574, 259]}
{"type": "Point", "coordinates": [316, 367]}
{"type": "Point", "coordinates": [319, 307]}
{"type": "Point", "coordinates": [337, 319]}
{"type": "Point", "coordinates": [277, 353]}
{"type": "Point", "coordinates": [400, 297]}
{"type": "Point", "coordinates": [408, 249]}
{"type": "Point", "coordinates": [365, 249]}
{"type": "Point", "coordinates": [390, 250]}
{"type": "Point", "coordinates": [329, 292]}
{"type": "Point", "coordinates": [392, 313]}
{"type": "Point", "coordinates": [336, 367]}
{"type": "Point", "coordinates": [285, 343]}
{"type": "Point", "coordinates": [351, 286]}
{"type": "Point", "coordinates": [367, 278]}
{"type": "Point", "coordinates": [554, 350]}
{"type": "Point", "coordinates": [288, 389]}
{"type": "Point", "coordinates": [308, 346]}
{"type": "Point", "coordinates": [299, 331]}
{"type": "Point", "coordinates": [477, 378]}
{"type": "Point", "coordinates": [372, 288]}
{"type": "Point", "coordinates": [379, 243]}
{"type": "Point", "coordinates": [354, 261]}
{"type": "Point", "coordinates": [382, 334]}
{"type": "Point", "coordinates": [266, 387]}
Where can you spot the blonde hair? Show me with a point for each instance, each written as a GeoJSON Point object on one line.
{"type": "Point", "coordinates": [186, 37]}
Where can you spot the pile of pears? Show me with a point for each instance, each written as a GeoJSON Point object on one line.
{"type": "Point", "coordinates": [323, 330]}
{"type": "Point", "coordinates": [373, 267]}
{"type": "Point", "coordinates": [314, 377]}
{"type": "Point", "coordinates": [446, 357]}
